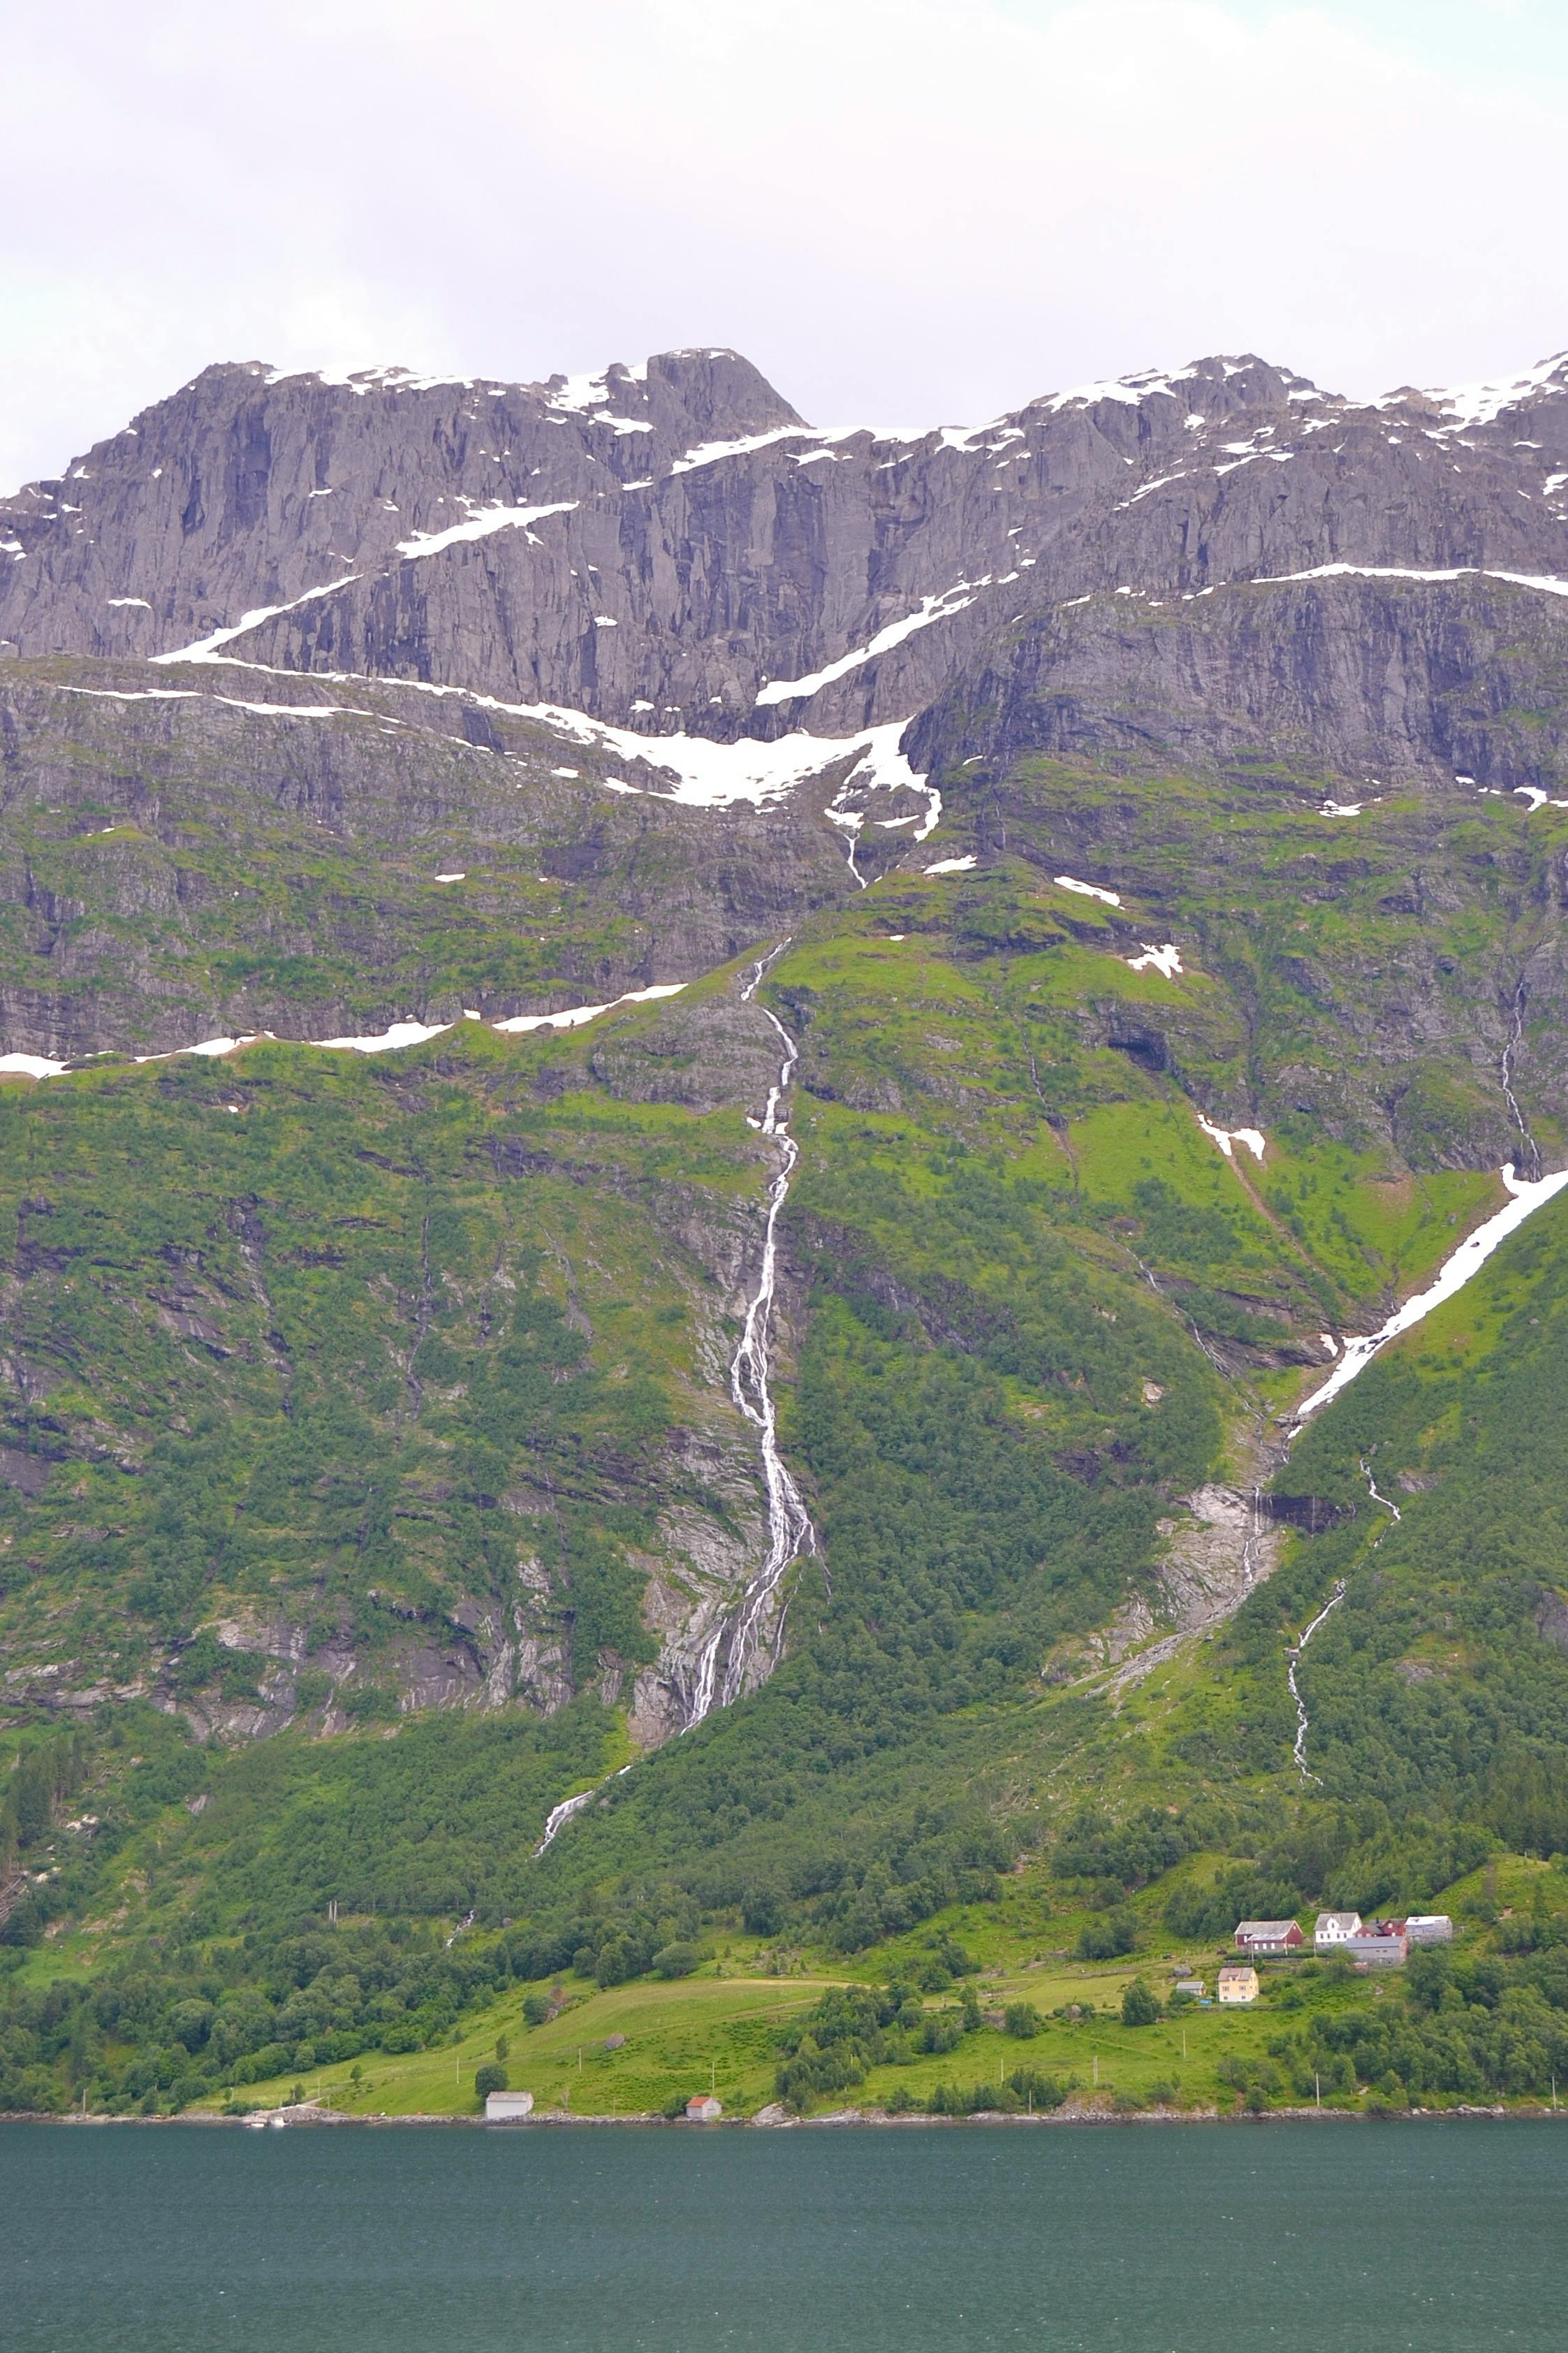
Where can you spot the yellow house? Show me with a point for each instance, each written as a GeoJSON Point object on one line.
{"type": "Point", "coordinates": [1238, 1983]}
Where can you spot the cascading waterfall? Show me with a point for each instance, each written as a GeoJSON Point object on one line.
{"type": "Point", "coordinates": [1249, 1546]}
{"type": "Point", "coordinates": [558, 1816]}
{"type": "Point", "coordinates": [849, 822]}
{"type": "Point", "coordinates": [561, 1815]}
{"type": "Point", "coordinates": [736, 1640]}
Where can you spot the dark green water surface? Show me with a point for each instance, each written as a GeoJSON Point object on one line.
{"type": "Point", "coordinates": [1440, 2237]}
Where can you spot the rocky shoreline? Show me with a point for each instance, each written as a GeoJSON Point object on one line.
{"type": "Point", "coordinates": [839, 2119]}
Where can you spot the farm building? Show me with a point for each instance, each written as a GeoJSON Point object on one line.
{"type": "Point", "coordinates": [1237, 1983]}
{"type": "Point", "coordinates": [704, 2109]}
{"type": "Point", "coordinates": [1261, 1936]}
{"type": "Point", "coordinates": [1332, 1928]}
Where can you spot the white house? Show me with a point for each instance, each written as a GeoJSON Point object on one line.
{"type": "Point", "coordinates": [1332, 1929]}
{"type": "Point", "coordinates": [508, 2107]}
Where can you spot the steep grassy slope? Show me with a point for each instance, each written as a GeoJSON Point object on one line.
{"type": "Point", "coordinates": [364, 1360]}
{"type": "Point", "coordinates": [404, 1383]}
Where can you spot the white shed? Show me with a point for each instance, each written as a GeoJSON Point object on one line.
{"type": "Point", "coordinates": [508, 2107]}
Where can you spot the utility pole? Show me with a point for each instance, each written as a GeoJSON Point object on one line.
{"type": "Point", "coordinates": [1097, 2069]}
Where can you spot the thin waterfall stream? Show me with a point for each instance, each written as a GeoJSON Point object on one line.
{"type": "Point", "coordinates": [736, 1640]}
{"type": "Point", "coordinates": [1294, 1652]}
{"type": "Point", "coordinates": [1529, 1153]}
{"type": "Point", "coordinates": [730, 1649]}
{"type": "Point", "coordinates": [1300, 1752]}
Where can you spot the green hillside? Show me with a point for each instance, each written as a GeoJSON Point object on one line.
{"type": "Point", "coordinates": [369, 1457]}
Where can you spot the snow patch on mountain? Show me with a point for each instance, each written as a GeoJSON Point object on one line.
{"type": "Point", "coordinates": [1473, 1252]}
{"type": "Point", "coordinates": [1547, 583]}
{"type": "Point", "coordinates": [395, 1039]}
{"type": "Point", "coordinates": [939, 607]}
{"type": "Point", "coordinates": [692, 770]}
{"type": "Point", "coordinates": [205, 648]}
{"type": "Point", "coordinates": [1227, 1138]}
{"type": "Point", "coordinates": [480, 525]}
{"type": "Point", "coordinates": [1164, 959]}
{"type": "Point", "coordinates": [1483, 403]}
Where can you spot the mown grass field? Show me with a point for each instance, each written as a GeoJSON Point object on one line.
{"type": "Point", "coordinates": [718, 2030]}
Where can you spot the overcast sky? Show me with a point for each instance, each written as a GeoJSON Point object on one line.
{"type": "Point", "coordinates": [907, 212]}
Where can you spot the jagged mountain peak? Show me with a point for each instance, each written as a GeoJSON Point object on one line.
{"type": "Point", "coordinates": [1486, 403]}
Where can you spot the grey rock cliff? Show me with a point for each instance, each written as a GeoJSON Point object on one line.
{"type": "Point", "coordinates": [672, 548]}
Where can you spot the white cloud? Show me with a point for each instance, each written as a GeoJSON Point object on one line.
{"type": "Point", "coordinates": [932, 208]}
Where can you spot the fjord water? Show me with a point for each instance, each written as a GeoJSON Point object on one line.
{"type": "Point", "coordinates": [1133, 2240]}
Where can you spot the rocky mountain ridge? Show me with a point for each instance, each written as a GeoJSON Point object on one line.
{"type": "Point", "coordinates": [671, 550]}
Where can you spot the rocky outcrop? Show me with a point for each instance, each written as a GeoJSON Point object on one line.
{"type": "Point", "coordinates": [1378, 683]}
{"type": "Point", "coordinates": [700, 1055]}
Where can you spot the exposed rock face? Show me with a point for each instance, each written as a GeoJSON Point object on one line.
{"type": "Point", "coordinates": [1380, 681]}
{"type": "Point", "coordinates": [672, 548]}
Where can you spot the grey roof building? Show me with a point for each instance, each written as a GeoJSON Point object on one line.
{"type": "Point", "coordinates": [1429, 1928]}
